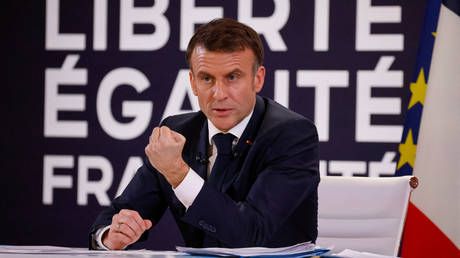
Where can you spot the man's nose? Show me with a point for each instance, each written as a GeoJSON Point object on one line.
{"type": "Point", "coordinates": [220, 91]}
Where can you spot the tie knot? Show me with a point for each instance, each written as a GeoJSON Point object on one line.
{"type": "Point", "coordinates": [224, 143]}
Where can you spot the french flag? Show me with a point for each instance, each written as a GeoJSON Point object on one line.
{"type": "Point", "coordinates": [430, 146]}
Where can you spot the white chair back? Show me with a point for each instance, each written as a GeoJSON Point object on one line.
{"type": "Point", "coordinates": [362, 213]}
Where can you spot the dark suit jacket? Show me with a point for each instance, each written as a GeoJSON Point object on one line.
{"type": "Point", "coordinates": [269, 197]}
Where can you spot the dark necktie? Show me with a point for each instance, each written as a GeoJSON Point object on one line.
{"type": "Point", "coordinates": [224, 144]}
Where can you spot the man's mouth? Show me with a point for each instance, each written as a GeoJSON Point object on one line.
{"type": "Point", "coordinates": [221, 111]}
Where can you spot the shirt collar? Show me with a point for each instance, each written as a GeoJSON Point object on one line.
{"type": "Point", "coordinates": [237, 130]}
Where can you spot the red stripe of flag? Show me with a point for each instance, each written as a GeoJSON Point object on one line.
{"type": "Point", "coordinates": [422, 238]}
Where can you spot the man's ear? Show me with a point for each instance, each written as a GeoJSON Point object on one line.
{"type": "Point", "coordinates": [192, 83]}
{"type": "Point", "coordinates": [259, 79]}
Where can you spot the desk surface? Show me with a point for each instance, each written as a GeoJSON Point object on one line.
{"type": "Point", "coordinates": [67, 252]}
{"type": "Point", "coordinates": [3, 255]}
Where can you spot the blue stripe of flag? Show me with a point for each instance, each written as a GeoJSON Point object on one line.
{"type": "Point", "coordinates": [423, 60]}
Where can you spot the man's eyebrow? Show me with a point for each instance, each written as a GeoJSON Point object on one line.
{"type": "Point", "coordinates": [203, 73]}
{"type": "Point", "coordinates": [236, 70]}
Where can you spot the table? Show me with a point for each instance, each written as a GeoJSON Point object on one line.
{"type": "Point", "coordinates": [69, 252]}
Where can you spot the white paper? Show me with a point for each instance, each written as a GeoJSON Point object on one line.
{"type": "Point", "coordinates": [357, 254]}
{"type": "Point", "coordinates": [297, 249]}
{"type": "Point", "coordinates": [33, 249]}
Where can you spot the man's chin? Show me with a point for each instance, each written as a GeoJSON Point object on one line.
{"type": "Point", "coordinates": [222, 125]}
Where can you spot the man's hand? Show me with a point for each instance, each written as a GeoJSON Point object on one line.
{"type": "Point", "coordinates": [165, 154]}
{"type": "Point", "coordinates": [126, 228]}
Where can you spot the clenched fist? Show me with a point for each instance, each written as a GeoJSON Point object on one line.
{"type": "Point", "coordinates": [164, 152]}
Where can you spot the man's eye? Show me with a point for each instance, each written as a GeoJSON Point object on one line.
{"type": "Point", "coordinates": [232, 77]}
{"type": "Point", "coordinates": [207, 79]}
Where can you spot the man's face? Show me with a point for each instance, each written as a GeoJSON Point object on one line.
{"type": "Point", "coordinates": [225, 84]}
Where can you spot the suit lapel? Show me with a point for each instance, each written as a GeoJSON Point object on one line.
{"type": "Point", "coordinates": [202, 151]}
{"type": "Point", "coordinates": [244, 143]}
{"type": "Point", "coordinates": [196, 153]}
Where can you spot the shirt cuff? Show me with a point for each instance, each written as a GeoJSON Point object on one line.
{"type": "Point", "coordinates": [189, 188]}
{"type": "Point", "coordinates": [99, 233]}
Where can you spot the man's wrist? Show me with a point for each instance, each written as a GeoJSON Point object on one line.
{"type": "Point", "coordinates": [189, 188]}
{"type": "Point", "coordinates": [182, 169]}
{"type": "Point", "coordinates": [99, 235]}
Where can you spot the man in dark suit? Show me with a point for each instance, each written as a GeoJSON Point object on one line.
{"type": "Point", "coordinates": [241, 172]}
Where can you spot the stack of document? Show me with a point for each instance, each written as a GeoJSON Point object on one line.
{"type": "Point", "coordinates": [305, 249]}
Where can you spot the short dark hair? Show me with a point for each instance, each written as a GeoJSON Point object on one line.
{"type": "Point", "coordinates": [226, 35]}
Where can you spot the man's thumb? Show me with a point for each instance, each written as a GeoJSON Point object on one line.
{"type": "Point", "coordinates": [178, 137]}
{"type": "Point", "coordinates": [148, 223]}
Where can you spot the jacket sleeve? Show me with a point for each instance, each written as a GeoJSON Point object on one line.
{"type": "Point", "coordinates": [286, 175]}
{"type": "Point", "coordinates": [143, 194]}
